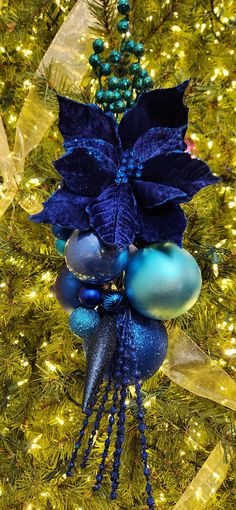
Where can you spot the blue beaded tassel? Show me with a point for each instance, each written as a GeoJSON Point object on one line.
{"type": "Point", "coordinates": [124, 372]}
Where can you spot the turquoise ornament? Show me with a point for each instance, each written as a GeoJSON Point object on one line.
{"type": "Point", "coordinates": [108, 96]}
{"type": "Point", "coordinates": [139, 49]}
{"type": "Point", "coordinates": [94, 60]}
{"type": "Point", "coordinates": [124, 83]}
{"type": "Point", "coordinates": [60, 245]}
{"type": "Point", "coordinates": [115, 57]}
{"type": "Point", "coordinates": [100, 96]}
{"type": "Point", "coordinates": [123, 26]}
{"type": "Point", "coordinates": [98, 45]}
{"type": "Point", "coordinates": [162, 281]}
{"type": "Point", "coordinates": [147, 82]}
{"type": "Point", "coordinates": [113, 82]}
{"type": "Point", "coordinates": [134, 68]}
{"type": "Point", "coordinates": [123, 6]}
{"type": "Point", "coordinates": [105, 69]}
{"type": "Point", "coordinates": [82, 321]}
{"type": "Point", "coordinates": [129, 46]}
{"type": "Point", "coordinates": [92, 261]}
{"type": "Point", "coordinates": [119, 106]}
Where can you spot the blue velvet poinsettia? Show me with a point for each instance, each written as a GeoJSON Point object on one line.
{"type": "Point", "coordinates": [126, 181]}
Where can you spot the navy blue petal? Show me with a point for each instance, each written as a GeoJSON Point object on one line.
{"type": "Point", "coordinates": [163, 224]}
{"type": "Point", "coordinates": [86, 121]}
{"type": "Point", "coordinates": [151, 194]}
{"type": "Point", "coordinates": [66, 209]}
{"type": "Point", "coordinates": [160, 107]}
{"type": "Point", "coordinates": [160, 140]}
{"type": "Point", "coordinates": [111, 152]}
{"type": "Point", "coordinates": [113, 215]}
{"type": "Point", "coordinates": [86, 170]}
{"type": "Point", "coordinates": [180, 171]}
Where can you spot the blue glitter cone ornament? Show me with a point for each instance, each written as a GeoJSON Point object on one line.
{"type": "Point", "coordinates": [125, 173]}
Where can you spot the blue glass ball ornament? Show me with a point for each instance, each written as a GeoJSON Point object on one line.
{"type": "Point", "coordinates": [61, 232]}
{"type": "Point", "coordinates": [82, 321]}
{"type": "Point", "coordinates": [93, 261]}
{"type": "Point", "coordinates": [60, 246]}
{"type": "Point", "coordinates": [162, 281]}
{"type": "Point", "coordinates": [66, 289]}
{"type": "Point", "coordinates": [90, 296]}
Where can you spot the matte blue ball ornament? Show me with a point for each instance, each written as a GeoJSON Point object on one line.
{"type": "Point", "coordinates": [66, 289]}
{"type": "Point", "coordinates": [162, 281]}
{"type": "Point", "coordinates": [60, 246]}
{"type": "Point", "coordinates": [90, 296]}
{"type": "Point", "coordinates": [93, 261]}
{"type": "Point", "coordinates": [82, 321]}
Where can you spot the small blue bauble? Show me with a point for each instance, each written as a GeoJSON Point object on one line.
{"type": "Point", "coordinates": [66, 289]}
{"type": "Point", "coordinates": [93, 261]}
{"type": "Point", "coordinates": [150, 340]}
{"type": "Point", "coordinates": [82, 321]}
{"type": "Point", "coordinates": [162, 281]}
{"type": "Point", "coordinates": [61, 232]}
{"type": "Point", "coordinates": [112, 300]}
{"type": "Point", "coordinates": [90, 296]}
{"type": "Point", "coordinates": [60, 246]}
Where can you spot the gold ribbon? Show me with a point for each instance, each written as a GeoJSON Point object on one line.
{"type": "Point", "coordinates": [207, 481]}
{"type": "Point", "coordinates": [66, 56]}
{"type": "Point", "coordinates": [186, 364]}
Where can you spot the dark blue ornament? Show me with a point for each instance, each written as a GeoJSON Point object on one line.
{"type": "Point", "coordinates": [99, 349]}
{"type": "Point", "coordinates": [90, 296]}
{"type": "Point", "coordinates": [92, 261]}
{"type": "Point", "coordinates": [82, 321]}
{"type": "Point", "coordinates": [162, 281]}
{"type": "Point", "coordinates": [150, 341]}
{"type": "Point", "coordinates": [112, 300]}
{"type": "Point", "coordinates": [61, 232]}
{"type": "Point", "coordinates": [66, 289]}
{"type": "Point", "coordinates": [60, 246]}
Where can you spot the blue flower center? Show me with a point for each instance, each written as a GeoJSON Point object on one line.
{"type": "Point", "coordinates": [130, 168]}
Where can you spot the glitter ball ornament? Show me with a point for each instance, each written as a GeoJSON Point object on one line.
{"type": "Point", "coordinates": [66, 289]}
{"type": "Point", "coordinates": [150, 341]}
{"type": "Point", "coordinates": [82, 321]}
{"type": "Point", "coordinates": [93, 261]}
{"type": "Point", "coordinates": [162, 281]}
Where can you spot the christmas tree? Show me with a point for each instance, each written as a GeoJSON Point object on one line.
{"type": "Point", "coordinates": [42, 362]}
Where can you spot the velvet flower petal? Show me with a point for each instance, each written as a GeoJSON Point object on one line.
{"type": "Point", "coordinates": [105, 148]}
{"type": "Point", "coordinates": [179, 170]}
{"type": "Point", "coordinates": [113, 215]}
{"type": "Point", "coordinates": [79, 120]}
{"type": "Point", "coordinates": [86, 170]}
{"type": "Point", "coordinates": [160, 107]}
{"type": "Point", "coordinates": [158, 141]}
{"type": "Point", "coordinates": [166, 223]}
{"type": "Point", "coordinates": [66, 209]}
{"type": "Point", "coordinates": [151, 194]}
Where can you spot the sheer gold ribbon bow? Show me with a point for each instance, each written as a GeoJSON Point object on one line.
{"type": "Point", "coordinates": [186, 364]}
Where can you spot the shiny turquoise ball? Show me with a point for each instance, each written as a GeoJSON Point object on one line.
{"type": "Point", "coordinates": [139, 49]}
{"type": "Point", "coordinates": [108, 96]}
{"type": "Point", "coordinates": [82, 321]}
{"type": "Point", "coordinates": [123, 26]}
{"type": "Point", "coordinates": [98, 45]}
{"type": "Point", "coordinates": [60, 245]}
{"type": "Point", "coordinates": [147, 82]}
{"type": "Point", "coordinates": [129, 46]}
{"type": "Point", "coordinates": [162, 281]}
{"type": "Point", "coordinates": [94, 61]}
{"type": "Point", "coordinates": [113, 82]}
{"type": "Point", "coordinates": [124, 83]}
{"type": "Point", "coordinates": [119, 106]}
{"type": "Point", "coordinates": [115, 57]}
{"type": "Point", "coordinates": [134, 68]}
{"type": "Point", "coordinates": [100, 96]}
{"type": "Point", "coordinates": [105, 69]}
{"type": "Point", "coordinates": [123, 6]}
